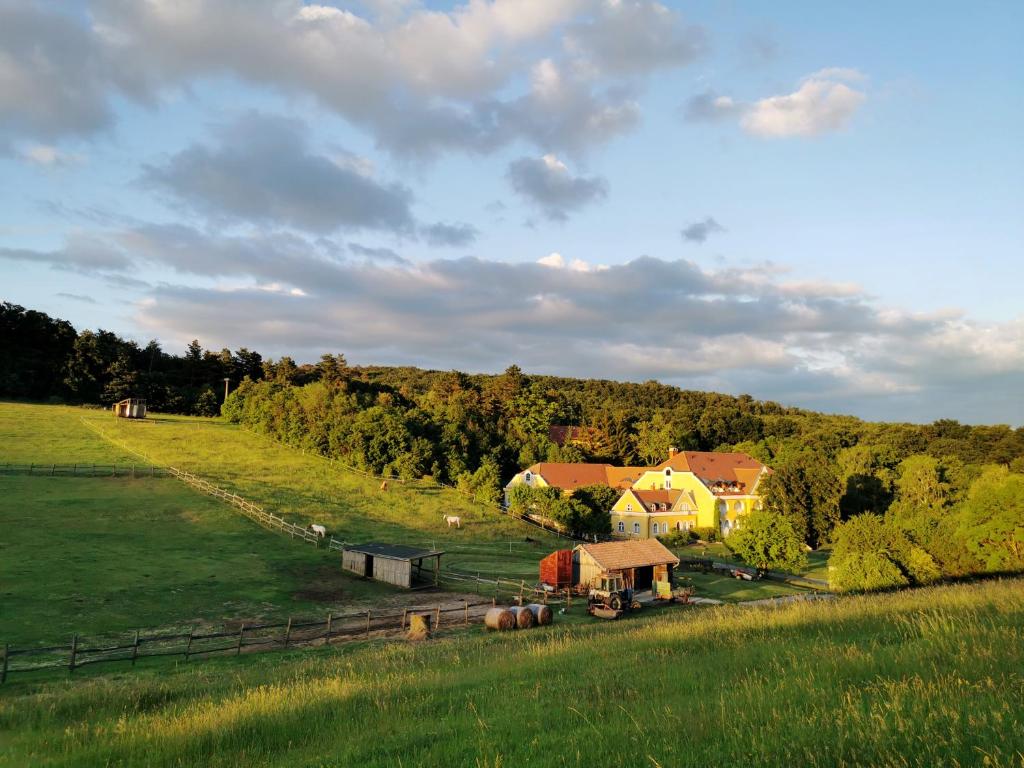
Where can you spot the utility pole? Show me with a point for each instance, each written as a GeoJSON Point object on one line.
{"type": "Point", "coordinates": [226, 382]}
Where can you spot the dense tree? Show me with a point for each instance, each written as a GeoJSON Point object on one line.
{"type": "Point", "coordinates": [767, 540]}
{"type": "Point", "coordinates": [807, 491]}
{"type": "Point", "coordinates": [872, 553]}
{"type": "Point", "coordinates": [992, 520]}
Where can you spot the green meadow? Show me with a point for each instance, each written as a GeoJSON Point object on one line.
{"type": "Point", "coordinates": [100, 555]}
{"type": "Point", "coordinates": [921, 678]}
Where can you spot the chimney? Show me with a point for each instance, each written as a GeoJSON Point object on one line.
{"type": "Point", "coordinates": [672, 451]}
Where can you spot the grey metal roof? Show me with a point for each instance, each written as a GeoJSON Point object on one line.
{"type": "Point", "coordinates": [393, 551]}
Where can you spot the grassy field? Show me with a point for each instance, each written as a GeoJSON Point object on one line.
{"type": "Point", "coordinates": [54, 434]}
{"type": "Point", "coordinates": [98, 555]}
{"type": "Point", "coordinates": [920, 678]}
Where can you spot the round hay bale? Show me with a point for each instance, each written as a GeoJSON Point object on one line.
{"type": "Point", "coordinates": [541, 614]}
{"type": "Point", "coordinates": [524, 616]}
{"type": "Point", "coordinates": [419, 627]}
{"type": "Point", "coordinates": [500, 618]}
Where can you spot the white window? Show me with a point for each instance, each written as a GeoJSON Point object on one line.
{"type": "Point", "coordinates": [622, 527]}
{"type": "Point", "coordinates": [527, 477]}
{"type": "Point", "coordinates": [664, 527]}
{"type": "Point", "coordinates": [668, 479]}
{"type": "Point", "coordinates": [629, 507]}
{"type": "Point", "coordinates": [636, 527]}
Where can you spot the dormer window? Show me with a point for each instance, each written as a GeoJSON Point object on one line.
{"type": "Point", "coordinates": [528, 476]}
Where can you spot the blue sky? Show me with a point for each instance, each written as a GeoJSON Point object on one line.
{"type": "Point", "coordinates": [469, 186]}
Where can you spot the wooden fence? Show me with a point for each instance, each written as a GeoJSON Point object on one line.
{"type": "Point", "coordinates": [84, 470]}
{"type": "Point", "coordinates": [250, 510]}
{"type": "Point", "coordinates": [423, 484]}
{"type": "Point", "coordinates": [244, 638]}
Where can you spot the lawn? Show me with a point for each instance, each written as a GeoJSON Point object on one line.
{"type": "Point", "coordinates": [54, 434]}
{"type": "Point", "coordinates": [920, 678]}
{"type": "Point", "coordinates": [99, 555]}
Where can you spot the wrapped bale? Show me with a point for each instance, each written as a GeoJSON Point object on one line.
{"type": "Point", "coordinates": [524, 616]}
{"type": "Point", "coordinates": [419, 627]}
{"type": "Point", "coordinates": [541, 613]}
{"type": "Point", "coordinates": [500, 618]}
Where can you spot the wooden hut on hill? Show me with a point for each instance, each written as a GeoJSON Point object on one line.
{"type": "Point", "coordinates": [393, 563]}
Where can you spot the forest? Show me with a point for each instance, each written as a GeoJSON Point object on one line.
{"type": "Point", "coordinates": [909, 493]}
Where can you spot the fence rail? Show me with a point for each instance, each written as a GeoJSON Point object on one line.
{"type": "Point", "coordinates": [242, 638]}
{"type": "Point", "coordinates": [45, 469]}
{"type": "Point", "coordinates": [420, 483]}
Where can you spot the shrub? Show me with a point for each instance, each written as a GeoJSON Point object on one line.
{"type": "Point", "coordinates": [706, 533]}
{"type": "Point", "coordinates": [676, 538]}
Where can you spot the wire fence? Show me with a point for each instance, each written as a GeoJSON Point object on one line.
{"type": "Point", "coordinates": [196, 643]}
{"type": "Point", "coordinates": [84, 470]}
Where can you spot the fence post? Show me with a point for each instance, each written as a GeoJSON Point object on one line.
{"type": "Point", "coordinates": [404, 612]}
{"type": "Point", "coordinates": [329, 617]}
{"type": "Point", "coordinates": [188, 647]}
{"type": "Point", "coordinates": [288, 632]}
{"type": "Point", "coordinates": [3, 670]}
{"type": "Point", "coordinates": [30, 466]}
{"type": "Point", "coordinates": [238, 648]}
{"type": "Point", "coordinates": [367, 623]}
{"type": "Point", "coordinates": [52, 468]}
{"type": "Point", "coordinates": [74, 653]}
{"type": "Point", "coordinates": [466, 607]}
{"type": "Point", "coordinates": [135, 648]}
{"type": "Point", "coordinates": [437, 623]}
{"type": "Point", "coordinates": [133, 471]}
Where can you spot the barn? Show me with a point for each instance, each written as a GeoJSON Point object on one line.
{"type": "Point", "coordinates": [641, 562]}
{"type": "Point", "coordinates": [393, 563]}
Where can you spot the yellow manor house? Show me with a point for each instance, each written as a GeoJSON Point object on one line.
{"type": "Point", "coordinates": [690, 489]}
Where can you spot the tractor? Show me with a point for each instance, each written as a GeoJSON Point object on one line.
{"type": "Point", "coordinates": [610, 594]}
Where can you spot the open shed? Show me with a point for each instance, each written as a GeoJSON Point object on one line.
{"type": "Point", "coordinates": [131, 408]}
{"type": "Point", "coordinates": [641, 562]}
{"type": "Point", "coordinates": [409, 567]}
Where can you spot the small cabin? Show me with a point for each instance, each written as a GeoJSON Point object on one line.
{"type": "Point", "coordinates": [641, 562]}
{"type": "Point", "coordinates": [132, 408]}
{"type": "Point", "coordinates": [408, 567]}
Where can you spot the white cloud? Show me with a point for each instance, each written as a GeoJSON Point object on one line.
{"type": "Point", "coordinates": [822, 104]}
{"type": "Point", "coordinates": [49, 156]}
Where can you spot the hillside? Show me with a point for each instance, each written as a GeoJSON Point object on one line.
{"type": "Point", "coordinates": [926, 677]}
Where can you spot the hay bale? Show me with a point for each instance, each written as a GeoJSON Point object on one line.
{"type": "Point", "coordinates": [524, 616]}
{"type": "Point", "coordinates": [541, 613]}
{"type": "Point", "coordinates": [500, 618]}
{"type": "Point", "coordinates": [419, 626]}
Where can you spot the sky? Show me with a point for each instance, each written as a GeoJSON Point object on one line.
{"type": "Point", "coordinates": [816, 203]}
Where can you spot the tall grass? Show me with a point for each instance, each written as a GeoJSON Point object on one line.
{"type": "Point", "coordinates": [929, 677]}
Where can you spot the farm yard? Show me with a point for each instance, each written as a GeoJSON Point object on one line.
{"type": "Point", "coordinates": [918, 678]}
{"type": "Point", "coordinates": [98, 557]}
{"type": "Point", "coordinates": [853, 679]}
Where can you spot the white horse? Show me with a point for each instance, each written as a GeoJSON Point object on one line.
{"type": "Point", "coordinates": [319, 530]}
{"type": "Point", "coordinates": [453, 520]}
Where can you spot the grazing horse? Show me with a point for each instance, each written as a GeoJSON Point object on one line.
{"type": "Point", "coordinates": [319, 530]}
{"type": "Point", "coordinates": [453, 520]}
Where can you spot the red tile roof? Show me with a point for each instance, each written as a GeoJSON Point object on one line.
{"type": "Point", "coordinates": [710, 467]}
{"type": "Point", "coordinates": [569, 477]}
{"type": "Point", "coordinates": [637, 553]}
